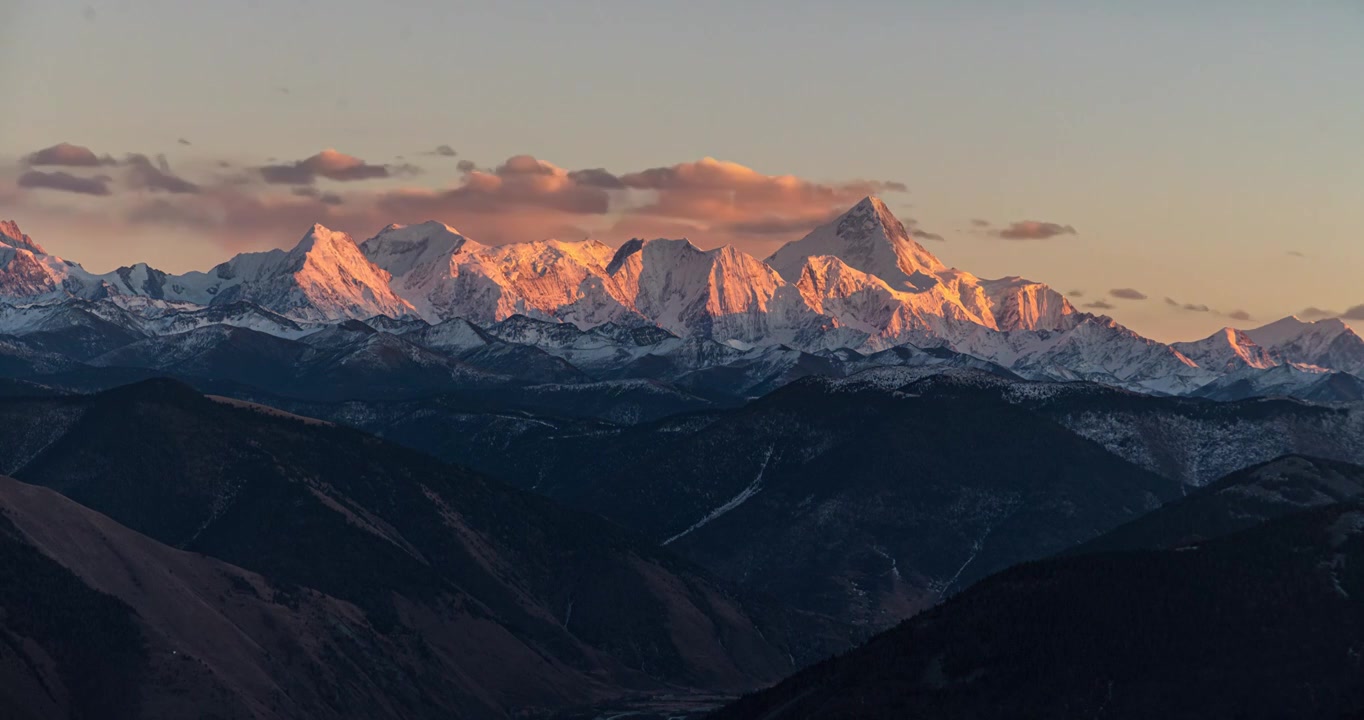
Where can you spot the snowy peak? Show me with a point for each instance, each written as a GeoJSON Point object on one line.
{"type": "Point", "coordinates": [1329, 343]}
{"type": "Point", "coordinates": [324, 277]}
{"type": "Point", "coordinates": [1228, 350]}
{"type": "Point", "coordinates": [723, 293]}
{"type": "Point", "coordinates": [1294, 329]}
{"type": "Point", "coordinates": [11, 235]}
{"type": "Point", "coordinates": [869, 238]}
{"type": "Point", "coordinates": [321, 236]}
{"type": "Point", "coordinates": [334, 280]}
{"type": "Point", "coordinates": [401, 248]}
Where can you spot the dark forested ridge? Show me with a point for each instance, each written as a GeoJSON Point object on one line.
{"type": "Point", "coordinates": [1265, 622]}
{"type": "Point", "coordinates": [564, 608]}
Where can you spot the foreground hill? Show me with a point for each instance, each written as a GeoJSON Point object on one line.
{"type": "Point", "coordinates": [414, 589]}
{"type": "Point", "coordinates": [1262, 623]}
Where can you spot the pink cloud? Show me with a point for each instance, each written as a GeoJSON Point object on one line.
{"type": "Point", "coordinates": [64, 182]}
{"type": "Point", "coordinates": [144, 175]}
{"type": "Point", "coordinates": [523, 198]}
{"type": "Point", "coordinates": [328, 164]}
{"type": "Point", "coordinates": [1034, 230]}
{"type": "Point", "coordinates": [66, 155]}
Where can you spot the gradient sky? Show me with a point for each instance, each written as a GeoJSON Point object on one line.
{"type": "Point", "coordinates": [1211, 152]}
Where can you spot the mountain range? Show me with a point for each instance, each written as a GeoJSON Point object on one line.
{"type": "Point", "coordinates": [859, 285]}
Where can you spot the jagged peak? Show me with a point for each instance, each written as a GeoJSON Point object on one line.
{"type": "Point", "coordinates": [11, 235]}
{"type": "Point", "coordinates": [427, 226]}
{"type": "Point", "coordinates": [623, 253]}
{"type": "Point", "coordinates": [868, 237]}
{"type": "Point", "coordinates": [321, 233]}
{"type": "Point", "coordinates": [1293, 327]}
{"type": "Point", "coordinates": [634, 246]}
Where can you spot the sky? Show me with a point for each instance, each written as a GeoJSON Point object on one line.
{"type": "Point", "coordinates": [1178, 166]}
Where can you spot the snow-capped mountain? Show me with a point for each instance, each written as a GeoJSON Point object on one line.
{"type": "Point", "coordinates": [1228, 350]}
{"type": "Point", "coordinates": [446, 275]}
{"type": "Point", "coordinates": [1305, 382]}
{"type": "Point", "coordinates": [870, 244]}
{"type": "Point", "coordinates": [28, 273]}
{"type": "Point", "coordinates": [858, 285]}
{"type": "Point", "coordinates": [324, 277]}
{"type": "Point", "coordinates": [1096, 349]}
{"type": "Point", "coordinates": [1329, 343]}
{"type": "Point", "coordinates": [868, 238]}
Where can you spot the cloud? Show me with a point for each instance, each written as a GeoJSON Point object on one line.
{"type": "Point", "coordinates": [1316, 313]}
{"type": "Point", "coordinates": [330, 198]}
{"type": "Point", "coordinates": [523, 198]}
{"type": "Point", "coordinates": [522, 182]}
{"type": "Point", "coordinates": [1034, 230]}
{"type": "Point", "coordinates": [1100, 305]}
{"type": "Point", "coordinates": [715, 190]}
{"type": "Point", "coordinates": [183, 141]}
{"type": "Point", "coordinates": [778, 225]}
{"type": "Point", "coordinates": [1076, 293]}
{"type": "Point", "coordinates": [442, 151]}
{"type": "Point", "coordinates": [978, 222]}
{"type": "Point", "coordinates": [1354, 313]}
{"type": "Point", "coordinates": [162, 211]}
{"type": "Point", "coordinates": [144, 175]}
{"type": "Point", "coordinates": [64, 182]}
{"type": "Point", "coordinates": [1296, 254]}
{"type": "Point", "coordinates": [926, 235]}
{"type": "Point", "coordinates": [1239, 315]}
{"type": "Point", "coordinates": [328, 164]}
{"type": "Point", "coordinates": [523, 165]}
{"type": "Point", "coordinates": [66, 155]}
{"type": "Point", "coordinates": [724, 202]}
{"type": "Point", "coordinates": [597, 177]}
{"type": "Point", "coordinates": [1190, 307]}
{"type": "Point", "coordinates": [1127, 294]}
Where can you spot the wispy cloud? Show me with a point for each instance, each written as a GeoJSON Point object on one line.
{"type": "Point", "coordinates": [328, 164]}
{"type": "Point", "coordinates": [1202, 308]}
{"type": "Point", "coordinates": [248, 206]}
{"type": "Point", "coordinates": [1100, 305]}
{"type": "Point", "coordinates": [64, 182]}
{"type": "Point", "coordinates": [1034, 230]}
{"type": "Point", "coordinates": [66, 155]}
{"type": "Point", "coordinates": [1127, 294]}
{"type": "Point", "coordinates": [1190, 307]}
{"type": "Point", "coordinates": [1316, 313]}
{"type": "Point", "coordinates": [143, 174]}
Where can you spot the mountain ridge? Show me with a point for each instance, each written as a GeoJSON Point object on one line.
{"type": "Point", "coordinates": [860, 282]}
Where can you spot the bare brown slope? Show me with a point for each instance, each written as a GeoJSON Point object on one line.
{"type": "Point", "coordinates": [224, 638]}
